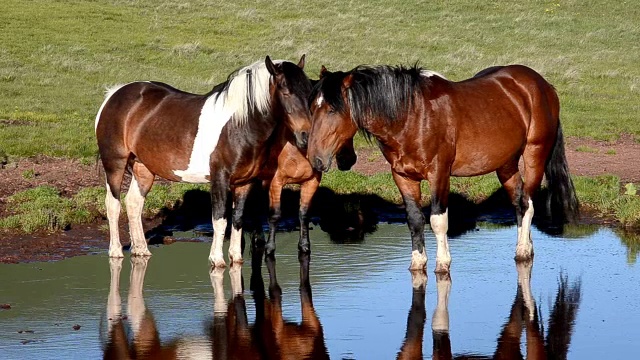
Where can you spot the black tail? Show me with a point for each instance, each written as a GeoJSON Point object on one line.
{"type": "Point", "coordinates": [562, 202]}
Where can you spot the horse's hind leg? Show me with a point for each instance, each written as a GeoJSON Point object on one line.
{"type": "Point", "coordinates": [114, 170]}
{"type": "Point", "coordinates": [275, 211]}
{"type": "Point", "coordinates": [141, 183]}
{"type": "Point", "coordinates": [534, 163]}
{"type": "Point", "coordinates": [511, 180]}
{"type": "Point", "coordinates": [307, 190]}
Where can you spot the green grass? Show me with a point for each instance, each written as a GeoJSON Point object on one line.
{"type": "Point", "coordinates": [57, 57]}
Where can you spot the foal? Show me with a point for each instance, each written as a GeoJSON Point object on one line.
{"type": "Point", "coordinates": [221, 138]}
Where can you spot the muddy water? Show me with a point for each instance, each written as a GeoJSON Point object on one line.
{"type": "Point", "coordinates": [581, 299]}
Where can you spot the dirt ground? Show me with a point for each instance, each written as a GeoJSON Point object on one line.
{"type": "Point", "coordinates": [585, 156]}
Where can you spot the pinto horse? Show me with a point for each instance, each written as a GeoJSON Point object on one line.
{"type": "Point", "coordinates": [221, 138]}
{"type": "Point", "coordinates": [429, 128]}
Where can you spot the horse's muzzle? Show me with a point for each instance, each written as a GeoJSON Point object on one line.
{"type": "Point", "coordinates": [302, 140]}
{"type": "Point", "coordinates": [320, 165]}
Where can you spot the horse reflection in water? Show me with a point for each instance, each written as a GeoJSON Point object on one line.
{"type": "Point", "coordinates": [230, 336]}
{"type": "Point", "coordinates": [270, 337]}
{"type": "Point", "coordinates": [523, 317]}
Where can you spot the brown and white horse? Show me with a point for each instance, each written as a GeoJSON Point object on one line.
{"type": "Point", "coordinates": [221, 138]}
{"type": "Point", "coordinates": [429, 128]}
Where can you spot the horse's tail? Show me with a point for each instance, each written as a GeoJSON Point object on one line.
{"type": "Point", "coordinates": [562, 201]}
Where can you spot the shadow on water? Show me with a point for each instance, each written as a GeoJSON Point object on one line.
{"type": "Point", "coordinates": [347, 218]}
{"type": "Point", "coordinates": [230, 335]}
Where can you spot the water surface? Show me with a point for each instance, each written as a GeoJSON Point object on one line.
{"type": "Point", "coordinates": [364, 303]}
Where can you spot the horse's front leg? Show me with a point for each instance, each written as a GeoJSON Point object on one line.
{"type": "Point", "coordinates": [275, 211]}
{"type": "Point", "coordinates": [410, 190]}
{"type": "Point", "coordinates": [219, 193]}
{"type": "Point", "coordinates": [240, 195]}
{"type": "Point", "coordinates": [439, 185]}
{"type": "Point", "coordinates": [307, 190]}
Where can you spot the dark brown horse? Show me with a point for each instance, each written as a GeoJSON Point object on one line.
{"type": "Point", "coordinates": [288, 164]}
{"type": "Point", "coordinates": [429, 128]}
{"type": "Point", "coordinates": [221, 138]}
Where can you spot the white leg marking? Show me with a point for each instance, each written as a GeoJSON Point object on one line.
{"type": "Point", "coordinates": [215, 256]}
{"type": "Point", "coordinates": [524, 248]}
{"type": "Point", "coordinates": [220, 303]}
{"type": "Point", "coordinates": [135, 202]}
{"type": "Point", "coordinates": [440, 322]}
{"type": "Point", "coordinates": [418, 260]}
{"type": "Point", "coordinates": [113, 213]}
{"type": "Point", "coordinates": [135, 303]}
{"type": "Point", "coordinates": [235, 273]}
{"type": "Point", "coordinates": [235, 245]}
{"type": "Point", "coordinates": [440, 226]}
{"type": "Point", "coordinates": [114, 303]}
{"type": "Point", "coordinates": [524, 281]}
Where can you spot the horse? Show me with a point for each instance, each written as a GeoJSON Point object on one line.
{"type": "Point", "coordinates": [288, 164]}
{"type": "Point", "coordinates": [221, 138]}
{"type": "Point", "coordinates": [430, 128]}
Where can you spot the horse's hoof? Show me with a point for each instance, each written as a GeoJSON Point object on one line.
{"type": "Point", "coordinates": [116, 254]}
{"type": "Point", "coordinates": [523, 254]}
{"type": "Point", "coordinates": [235, 259]}
{"type": "Point", "coordinates": [418, 261]}
{"type": "Point", "coordinates": [217, 263]}
{"type": "Point", "coordinates": [442, 268]}
{"type": "Point", "coordinates": [140, 252]}
{"type": "Point", "coordinates": [269, 249]}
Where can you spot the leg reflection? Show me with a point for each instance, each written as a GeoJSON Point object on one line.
{"type": "Point", "coordinates": [412, 346]}
{"type": "Point", "coordinates": [440, 321]}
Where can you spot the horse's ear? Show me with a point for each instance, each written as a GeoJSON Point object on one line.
{"type": "Point", "coordinates": [348, 80]}
{"type": "Point", "coordinates": [323, 71]}
{"type": "Point", "coordinates": [301, 62]}
{"type": "Point", "coordinates": [270, 66]}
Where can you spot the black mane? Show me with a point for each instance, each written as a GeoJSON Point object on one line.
{"type": "Point", "coordinates": [385, 92]}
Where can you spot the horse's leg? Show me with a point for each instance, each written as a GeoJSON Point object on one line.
{"type": "Point", "coordinates": [410, 190]}
{"type": "Point", "coordinates": [439, 185]}
{"type": "Point", "coordinates": [240, 194]}
{"type": "Point", "coordinates": [275, 211]}
{"type": "Point", "coordinates": [440, 320]}
{"type": "Point", "coordinates": [219, 193]}
{"type": "Point", "coordinates": [114, 168]}
{"type": "Point", "coordinates": [534, 163]}
{"type": "Point", "coordinates": [412, 345]}
{"type": "Point", "coordinates": [307, 190]}
{"type": "Point", "coordinates": [141, 183]}
{"type": "Point", "coordinates": [511, 180]}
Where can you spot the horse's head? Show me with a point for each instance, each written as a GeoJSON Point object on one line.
{"type": "Point", "coordinates": [290, 88]}
{"type": "Point", "coordinates": [332, 128]}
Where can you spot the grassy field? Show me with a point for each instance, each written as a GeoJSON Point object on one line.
{"type": "Point", "coordinates": [57, 58]}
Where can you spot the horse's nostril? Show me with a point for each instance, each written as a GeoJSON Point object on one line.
{"type": "Point", "coordinates": [317, 164]}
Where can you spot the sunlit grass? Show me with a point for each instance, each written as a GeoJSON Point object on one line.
{"type": "Point", "coordinates": [56, 58]}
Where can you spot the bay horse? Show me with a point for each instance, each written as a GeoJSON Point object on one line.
{"type": "Point", "coordinates": [430, 128]}
{"type": "Point", "coordinates": [221, 138]}
{"type": "Point", "coordinates": [288, 164]}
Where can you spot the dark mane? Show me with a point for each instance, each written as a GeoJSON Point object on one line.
{"type": "Point", "coordinates": [384, 92]}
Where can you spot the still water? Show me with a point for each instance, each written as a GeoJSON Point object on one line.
{"type": "Point", "coordinates": [581, 299]}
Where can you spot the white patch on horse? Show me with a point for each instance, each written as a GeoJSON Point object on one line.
{"type": "Point", "coordinates": [108, 93]}
{"type": "Point", "coordinates": [215, 256]}
{"type": "Point", "coordinates": [235, 245]}
{"type": "Point", "coordinates": [113, 214]}
{"type": "Point", "coordinates": [222, 107]}
{"type": "Point", "coordinates": [524, 248]}
{"type": "Point", "coordinates": [213, 117]}
{"type": "Point", "coordinates": [319, 100]}
{"type": "Point", "coordinates": [440, 226]}
{"type": "Point", "coordinates": [430, 73]}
